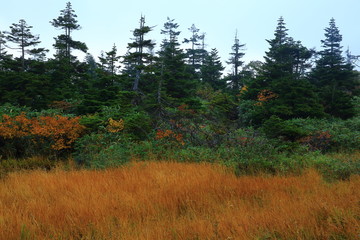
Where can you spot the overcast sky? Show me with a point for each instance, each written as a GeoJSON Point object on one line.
{"type": "Point", "coordinates": [107, 22]}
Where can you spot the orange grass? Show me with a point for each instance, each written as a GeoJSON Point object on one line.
{"type": "Point", "coordinates": [166, 200]}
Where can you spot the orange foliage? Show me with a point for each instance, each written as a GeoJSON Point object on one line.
{"type": "Point", "coordinates": [243, 89]}
{"type": "Point", "coordinates": [158, 200]}
{"type": "Point", "coordinates": [185, 109]}
{"type": "Point", "coordinates": [169, 135]}
{"type": "Point", "coordinates": [264, 96]}
{"type": "Point", "coordinates": [62, 131]}
{"type": "Point", "coordinates": [319, 140]}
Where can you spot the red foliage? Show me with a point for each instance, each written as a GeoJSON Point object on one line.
{"type": "Point", "coordinates": [61, 131]}
{"type": "Point", "coordinates": [169, 135]}
{"type": "Point", "coordinates": [319, 140]}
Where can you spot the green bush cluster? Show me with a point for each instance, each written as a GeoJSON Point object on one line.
{"type": "Point", "coordinates": [277, 147]}
{"type": "Point", "coordinates": [101, 150]}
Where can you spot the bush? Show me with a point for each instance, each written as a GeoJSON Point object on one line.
{"type": "Point", "coordinates": [337, 166]}
{"type": "Point", "coordinates": [137, 125]}
{"type": "Point", "coordinates": [101, 150]}
{"type": "Point", "coordinates": [21, 135]}
{"type": "Point", "coordinates": [275, 127]}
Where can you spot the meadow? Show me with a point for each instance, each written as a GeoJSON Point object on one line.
{"type": "Point", "coordinates": [172, 200]}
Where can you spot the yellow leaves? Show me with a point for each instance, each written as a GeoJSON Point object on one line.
{"type": "Point", "coordinates": [115, 126]}
{"type": "Point", "coordinates": [61, 131]}
{"type": "Point", "coordinates": [243, 89]}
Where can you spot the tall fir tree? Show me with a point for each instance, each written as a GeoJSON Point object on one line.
{"type": "Point", "coordinates": [4, 56]}
{"type": "Point", "coordinates": [2, 44]}
{"type": "Point", "coordinates": [68, 72]}
{"type": "Point", "coordinates": [175, 83]}
{"type": "Point", "coordinates": [281, 88]}
{"type": "Point", "coordinates": [196, 53]}
{"type": "Point", "coordinates": [334, 76]}
{"type": "Point", "coordinates": [21, 35]}
{"type": "Point", "coordinates": [235, 61]}
{"type": "Point", "coordinates": [138, 58]}
{"type": "Point", "coordinates": [109, 61]}
{"type": "Point", "coordinates": [64, 43]}
{"type": "Point", "coordinates": [211, 70]}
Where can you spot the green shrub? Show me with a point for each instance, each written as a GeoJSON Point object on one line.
{"type": "Point", "coordinates": [92, 122]}
{"type": "Point", "coordinates": [337, 166]}
{"type": "Point", "coordinates": [137, 125]}
{"type": "Point", "coordinates": [275, 127]}
{"type": "Point", "coordinates": [115, 155]}
{"type": "Point", "coordinates": [101, 150]}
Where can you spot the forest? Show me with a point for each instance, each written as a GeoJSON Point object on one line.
{"type": "Point", "coordinates": [163, 144]}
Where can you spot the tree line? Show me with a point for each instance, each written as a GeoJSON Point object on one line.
{"type": "Point", "coordinates": [293, 81]}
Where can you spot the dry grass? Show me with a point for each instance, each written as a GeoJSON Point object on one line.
{"type": "Point", "coordinates": [157, 200]}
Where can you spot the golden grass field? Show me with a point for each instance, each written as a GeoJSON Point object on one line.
{"type": "Point", "coordinates": [166, 200]}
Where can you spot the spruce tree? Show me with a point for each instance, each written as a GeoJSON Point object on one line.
{"type": "Point", "coordinates": [4, 57]}
{"type": "Point", "coordinates": [21, 35]}
{"type": "Point", "coordinates": [109, 61]}
{"type": "Point", "coordinates": [68, 74]}
{"type": "Point", "coordinates": [138, 59]}
{"type": "Point", "coordinates": [196, 53]}
{"type": "Point", "coordinates": [2, 44]}
{"type": "Point", "coordinates": [64, 43]}
{"type": "Point", "coordinates": [281, 88]}
{"type": "Point", "coordinates": [175, 84]}
{"type": "Point", "coordinates": [211, 70]}
{"type": "Point", "coordinates": [236, 62]}
{"type": "Point", "coordinates": [333, 76]}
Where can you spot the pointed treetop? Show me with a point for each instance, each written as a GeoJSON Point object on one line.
{"type": "Point", "coordinates": [67, 19]}
{"type": "Point", "coordinates": [281, 35]}
{"type": "Point", "coordinates": [333, 38]}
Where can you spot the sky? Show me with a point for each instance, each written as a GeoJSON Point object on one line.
{"type": "Point", "coordinates": [108, 22]}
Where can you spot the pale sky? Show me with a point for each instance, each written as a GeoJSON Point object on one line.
{"type": "Point", "coordinates": [110, 21]}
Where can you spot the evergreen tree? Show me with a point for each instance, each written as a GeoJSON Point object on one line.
{"type": "Point", "coordinates": [21, 36]}
{"type": "Point", "coordinates": [235, 60]}
{"type": "Point", "coordinates": [64, 42]}
{"type": "Point", "coordinates": [2, 44]}
{"type": "Point", "coordinates": [211, 70]}
{"type": "Point", "coordinates": [109, 61]}
{"type": "Point", "coordinates": [196, 53]}
{"type": "Point", "coordinates": [175, 84]}
{"type": "Point", "coordinates": [68, 73]}
{"type": "Point", "coordinates": [281, 88]}
{"type": "Point", "coordinates": [333, 75]}
{"type": "Point", "coordinates": [138, 59]}
{"type": "Point", "coordinates": [4, 57]}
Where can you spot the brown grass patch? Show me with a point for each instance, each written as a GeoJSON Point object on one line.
{"type": "Point", "coordinates": [158, 200]}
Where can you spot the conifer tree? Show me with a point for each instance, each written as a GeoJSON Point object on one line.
{"type": "Point", "coordinates": [333, 75]}
{"type": "Point", "coordinates": [176, 84]}
{"type": "Point", "coordinates": [109, 61]}
{"type": "Point", "coordinates": [281, 88]}
{"type": "Point", "coordinates": [211, 70]}
{"type": "Point", "coordinates": [138, 58]}
{"type": "Point", "coordinates": [21, 36]}
{"type": "Point", "coordinates": [236, 62]}
{"type": "Point", "coordinates": [68, 74]}
{"type": "Point", "coordinates": [2, 44]}
{"type": "Point", "coordinates": [4, 57]}
{"type": "Point", "coordinates": [196, 53]}
{"type": "Point", "coordinates": [64, 42]}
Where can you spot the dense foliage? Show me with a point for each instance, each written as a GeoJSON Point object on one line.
{"type": "Point", "coordinates": [177, 101]}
